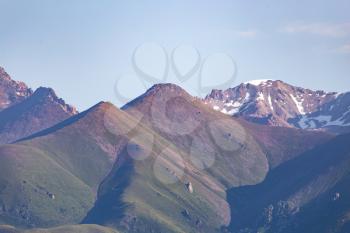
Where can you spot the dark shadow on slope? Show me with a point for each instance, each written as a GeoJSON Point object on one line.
{"type": "Point", "coordinates": [109, 207]}
{"type": "Point", "coordinates": [249, 204]}
{"type": "Point", "coordinates": [326, 213]}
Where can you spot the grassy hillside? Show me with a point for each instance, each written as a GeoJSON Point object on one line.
{"type": "Point", "coordinates": [202, 133]}
{"type": "Point", "coordinates": [150, 194]}
{"type": "Point", "coordinates": [133, 198]}
{"type": "Point", "coordinates": [164, 164]}
{"type": "Point", "coordinates": [36, 191]}
{"type": "Point", "coordinates": [52, 178]}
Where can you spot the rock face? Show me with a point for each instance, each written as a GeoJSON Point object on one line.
{"type": "Point", "coordinates": [11, 92]}
{"type": "Point", "coordinates": [189, 187]}
{"type": "Point", "coordinates": [280, 104]}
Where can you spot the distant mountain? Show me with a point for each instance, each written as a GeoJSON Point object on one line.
{"type": "Point", "coordinates": [307, 194]}
{"type": "Point", "coordinates": [25, 112]}
{"type": "Point", "coordinates": [39, 111]}
{"type": "Point", "coordinates": [280, 104]}
{"type": "Point", "coordinates": [11, 92]}
{"type": "Point", "coordinates": [333, 116]}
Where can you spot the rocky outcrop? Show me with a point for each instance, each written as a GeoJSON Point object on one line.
{"type": "Point", "coordinates": [189, 187]}
{"type": "Point", "coordinates": [11, 92]}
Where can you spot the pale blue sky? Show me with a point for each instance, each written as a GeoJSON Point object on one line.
{"type": "Point", "coordinates": [80, 47]}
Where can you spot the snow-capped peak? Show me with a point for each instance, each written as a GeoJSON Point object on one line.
{"type": "Point", "coordinates": [258, 82]}
{"type": "Point", "coordinates": [261, 101]}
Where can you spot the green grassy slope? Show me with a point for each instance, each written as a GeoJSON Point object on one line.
{"type": "Point", "coordinates": [170, 111]}
{"type": "Point", "coordinates": [28, 180]}
{"type": "Point", "coordinates": [138, 195]}
{"type": "Point", "coordinates": [133, 199]}
{"type": "Point", "coordinates": [68, 161]}
{"type": "Point", "coordinates": [139, 162]}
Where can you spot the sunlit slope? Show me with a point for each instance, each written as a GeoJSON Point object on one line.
{"type": "Point", "coordinates": [217, 144]}
{"type": "Point", "coordinates": [148, 188]}
{"type": "Point", "coordinates": [36, 191]}
{"type": "Point", "coordinates": [52, 178]}
{"type": "Point", "coordinates": [152, 172]}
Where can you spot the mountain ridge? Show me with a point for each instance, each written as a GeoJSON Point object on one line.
{"type": "Point", "coordinates": [31, 111]}
{"type": "Point", "coordinates": [164, 162]}
{"type": "Point", "coordinates": [11, 92]}
{"type": "Point", "coordinates": [277, 103]}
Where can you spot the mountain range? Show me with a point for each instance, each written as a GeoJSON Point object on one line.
{"type": "Point", "coordinates": [279, 104]}
{"type": "Point", "coordinates": [264, 156]}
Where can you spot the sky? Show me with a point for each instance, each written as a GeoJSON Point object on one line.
{"type": "Point", "coordinates": [111, 50]}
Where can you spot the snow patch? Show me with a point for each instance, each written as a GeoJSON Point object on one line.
{"type": "Point", "coordinates": [20, 93]}
{"type": "Point", "coordinates": [247, 97]}
{"type": "Point", "coordinates": [322, 120]}
{"type": "Point", "coordinates": [231, 107]}
{"type": "Point", "coordinates": [299, 105]}
{"type": "Point", "coordinates": [260, 97]}
{"type": "Point", "coordinates": [258, 82]}
{"type": "Point", "coordinates": [230, 112]}
{"type": "Point", "coordinates": [233, 104]}
{"type": "Point", "coordinates": [336, 95]}
{"type": "Point", "coordinates": [270, 102]}
{"type": "Point", "coordinates": [216, 108]}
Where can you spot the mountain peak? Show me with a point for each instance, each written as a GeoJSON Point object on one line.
{"type": "Point", "coordinates": [11, 92]}
{"type": "Point", "coordinates": [166, 87]}
{"type": "Point", "coordinates": [259, 82]}
{"type": "Point", "coordinates": [4, 75]}
{"type": "Point", "coordinates": [102, 105]}
{"type": "Point", "coordinates": [38, 111]}
{"type": "Point", "coordinates": [161, 90]}
{"type": "Point", "coordinates": [48, 94]}
{"type": "Point", "coordinates": [46, 91]}
{"type": "Point", "coordinates": [281, 104]}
